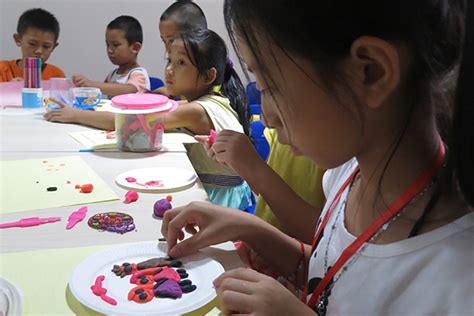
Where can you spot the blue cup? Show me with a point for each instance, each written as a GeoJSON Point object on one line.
{"type": "Point", "coordinates": [32, 97]}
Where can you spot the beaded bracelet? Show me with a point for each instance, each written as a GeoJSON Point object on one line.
{"type": "Point", "coordinates": [300, 271]}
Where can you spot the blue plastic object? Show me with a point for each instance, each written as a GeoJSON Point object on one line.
{"type": "Point", "coordinates": [253, 94]}
{"type": "Point", "coordinates": [251, 208]}
{"type": "Point", "coordinates": [155, 83]}
{"type": "Point", "coordinates": [259, 140]}
{"type": "Point", "coordinates": [255, 109]}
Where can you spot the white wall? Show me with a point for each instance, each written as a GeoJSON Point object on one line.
{"type": "Point", "coordinates": [82, 39]}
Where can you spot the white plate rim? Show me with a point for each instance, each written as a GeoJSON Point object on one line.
{"type": "Point", "coordinates": [109, 309]}
{"type": "Point", "coordinates": [132, 186]}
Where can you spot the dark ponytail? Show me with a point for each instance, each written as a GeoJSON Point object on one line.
{"type": "Point", "coordinates": [234, 90]}
{"type": "Point", "coordinates": [461, 145]}
{"type": "Point", "coordinates": [207, 50]}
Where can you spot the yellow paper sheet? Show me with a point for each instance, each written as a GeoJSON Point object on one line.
{"type": "Point", "coordinates": [43, 278]}
{"type": "Point", "coordinates": [24, 183]}
{"type": "Point", "coordinates": [94, 139]}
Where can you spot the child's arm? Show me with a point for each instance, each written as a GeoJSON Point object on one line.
{"type": "Point", "coordinates": [110, 89]}
{"type": "Point", "coordinates": [67, 114]}
{"type": "Point", "coordinates": [235, 150]}
{"type": "Point", "coordinates": [191, 116]}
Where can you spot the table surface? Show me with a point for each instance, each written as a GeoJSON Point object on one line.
{"type": "Point", "coordinates": [39, 260]}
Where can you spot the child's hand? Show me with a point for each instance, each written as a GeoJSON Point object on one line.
{"type": "Point", "coordinates": [81, 81]}
{"type": "Point", "coordinates": [65, 114]}
{"type": "Point", "coordinates": [245, 291]}
{"type": "Point", "coordinates": [216, 225]}
{"type": "Point", "coordinates": [232, 149]}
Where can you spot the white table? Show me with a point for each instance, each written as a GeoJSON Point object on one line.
{"type": "Point", "coordinates": [26, 130]}
{"type": "Point", "coordinates": [40, 259]}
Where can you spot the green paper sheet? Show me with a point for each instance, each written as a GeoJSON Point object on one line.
{"type": "Point", "coordinates": [24, 184]}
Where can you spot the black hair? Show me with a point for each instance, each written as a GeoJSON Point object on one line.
{"type": "Point", "coordinates": [187, 14]}
{"type": "Point", "coordinates": [130, 26]}
{"type": "Point", "coordinates": [40, 19]}
{"type": "Point", "coordinates": [433, 30]}
{"type": "Point", "coordinates": [206, 49]}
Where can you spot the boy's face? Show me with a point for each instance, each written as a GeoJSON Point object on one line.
{"type": "Point", "coordinates": [118, 49]}
{"type": "Point", "coordinates": [181, 76]}
{"type": "Point", "coordinates": [36, 43]}
{"type": "Point", "coordinates": [169, 31]}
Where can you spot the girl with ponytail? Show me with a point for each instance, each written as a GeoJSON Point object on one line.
{"type": "Point", "coordinates": [198, 70]}
{"type": "Point", "coordinates": [359, 87]}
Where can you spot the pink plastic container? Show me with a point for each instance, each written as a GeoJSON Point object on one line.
{"type": "Point", "coordinates": [139, 120]}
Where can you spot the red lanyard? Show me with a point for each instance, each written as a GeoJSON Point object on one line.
{"type": "Point", "coordinates": [386, 216]}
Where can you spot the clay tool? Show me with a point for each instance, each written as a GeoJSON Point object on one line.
{"type": "Point", "coordinates": [29, 222]}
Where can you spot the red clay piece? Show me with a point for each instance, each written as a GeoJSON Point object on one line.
{"type": "Point", "coordinates": [87, 188]}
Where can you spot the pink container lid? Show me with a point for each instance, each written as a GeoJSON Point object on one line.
{"type": "Point", "coordinates": [141, 101]}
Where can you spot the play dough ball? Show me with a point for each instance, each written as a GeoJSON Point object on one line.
{"type": "Point", "coordinates": [160, 207]}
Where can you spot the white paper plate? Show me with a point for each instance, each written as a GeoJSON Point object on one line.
{"type": "Point", "coordinates": [202, 271]}
{"type": "Point", "coordinates": [11, 299]}
{"type": "Point", "coordinates": [173, 179]}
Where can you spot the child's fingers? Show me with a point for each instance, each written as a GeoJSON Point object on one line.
{"type": "Point", "coordinates": [57, 102]}
{"type": "Point", "coordinates": [236, 303]}
{"type": "Point", "coordinates": [202, 139]}
{"type": "Point", "coordinates": [241, 274]}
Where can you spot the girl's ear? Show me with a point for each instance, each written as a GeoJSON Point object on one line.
{"type": "Point", "coordinates": [211, 76]}
{"type": "Point", "coordinates": [377, 67]}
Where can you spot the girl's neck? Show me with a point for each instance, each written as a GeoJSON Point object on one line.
{"type": "Point", "coordinates": [378, 186]}
{"type": "Point", "coordinates": [125, 68]}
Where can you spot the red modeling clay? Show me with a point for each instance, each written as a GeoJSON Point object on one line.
{"type": "Point", "coordinates": [169, 198]}
{"type": "Point", "coordinates": [77, 186]}
{"type": "Point", "coordinates": [141, 294]}
{"type": "Point", "coordinates": [87, 188]}
{"type": "Point", "coordinates": [98, 290]}
{"type": "Point", "coordinates": [138, 274]}
{"type": "Point", "coordinates": [130, 179]}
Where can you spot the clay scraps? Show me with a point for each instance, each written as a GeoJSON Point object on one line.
{"type": "Point", "coordinates": [115, 222]}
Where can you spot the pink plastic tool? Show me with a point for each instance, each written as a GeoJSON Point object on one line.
{"type": "Point", "coordinates": [212, 137]}
{"type": "Point", "coordinates": [98, 290]}
{"type": "Point", "coordinates": [76, 217]}
{"type": "Point", "coordinates": [32, 221]}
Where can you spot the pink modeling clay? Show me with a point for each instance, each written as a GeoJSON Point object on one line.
{"type": "Point", "coordinates": [32, 221]}
{"type": "Point", "coordinates": [98, 290]}
{"type": "Point", "coordinates": [131, 196]}
{"type": "Point", "coordinates": [110, 135]}
{"type": "Point", "coordinates": [154, 183]}
{"type": "Point", "coordinates": [130, 179]}
{"type": "Point", "coordinates": [76, 217]}
{"type": "Point", "coordinates": [167, 273]}
{"type": "Point", "coordinates": [212, 137]}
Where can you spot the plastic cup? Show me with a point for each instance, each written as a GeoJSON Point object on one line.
{"type": "Point", "coordinates": [86, 98]}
